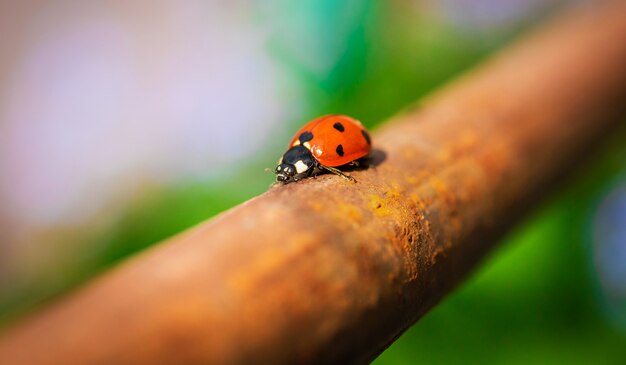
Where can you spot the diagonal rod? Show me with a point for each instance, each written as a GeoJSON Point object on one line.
{"type": "Point", "coordinates": [330, 271]}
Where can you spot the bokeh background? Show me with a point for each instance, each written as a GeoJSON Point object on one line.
{"type": "Point", "coordinates": [122, 123]}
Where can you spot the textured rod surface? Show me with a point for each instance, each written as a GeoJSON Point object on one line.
{"type": "Point", "coordinates": [326, 270]}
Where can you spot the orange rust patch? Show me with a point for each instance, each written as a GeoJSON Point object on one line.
{"type": "Point", "coordinates": [376, 204]}
{"type": "Point", "coordinates": [317, 206]}
{"type": "Point", "coordinates": [410, 259]}
{"type": "Point", "coordinates": [412, 180]}
{"type": "Point", "coordinates": [351, 212]}
{"type": "Point", "coordinates": [383, 205]}
{"type": "Point", "coordinates": [438, 184]}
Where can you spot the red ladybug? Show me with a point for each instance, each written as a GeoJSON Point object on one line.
{"type": "Point", "coordinates": [324, 144]}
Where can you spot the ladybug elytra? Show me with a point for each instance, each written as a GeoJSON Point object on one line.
{"type": "Point", "coordinates": [324, 143]}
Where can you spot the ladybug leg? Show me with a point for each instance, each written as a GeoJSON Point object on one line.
{"type": "Point", "coordinates": [315, 170]}
{"type": "Point", "coordinates": [338, 172]}
{"type": "Point", "coordinates": [362, 162]}
{"type": "Point", "coordinates": [309, 172]}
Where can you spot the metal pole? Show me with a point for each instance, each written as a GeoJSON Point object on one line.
{"type": "Point", "coordinates": [330, 271]}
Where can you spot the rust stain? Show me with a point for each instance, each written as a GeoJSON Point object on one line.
{"type": "Point", "coordinates": [350, 212]}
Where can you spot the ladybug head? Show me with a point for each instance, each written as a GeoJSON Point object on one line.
{"type": "Point", "coordinates": [285, 172]}
{"type": "Point", "coordinates": [295, 164]}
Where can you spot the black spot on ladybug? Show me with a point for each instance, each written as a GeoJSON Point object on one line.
{"type": "Point", "coordinates": [338, 126]}
{"type": "Point", "coordinates": [340, 150]}
{"type": "Point", "coordinates": [366, 136]}
{"type": "Point", "coordinates": [305, 137]}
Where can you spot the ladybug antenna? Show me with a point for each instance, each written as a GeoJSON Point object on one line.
{"type": "Point", "coordinates": [267, 169]}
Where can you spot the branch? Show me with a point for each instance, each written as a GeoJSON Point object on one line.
{"type": "Point", "coordinates": [326, 270]}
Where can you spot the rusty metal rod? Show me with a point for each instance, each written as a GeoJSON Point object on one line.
{"type": "Point", "coordinates": [326, 270]}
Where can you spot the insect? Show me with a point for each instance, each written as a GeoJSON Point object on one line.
{"type": "Point", "coordinates": [324, 143]}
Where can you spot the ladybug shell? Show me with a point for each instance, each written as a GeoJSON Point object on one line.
{"type": "Point", "coordinates": [334, 140]}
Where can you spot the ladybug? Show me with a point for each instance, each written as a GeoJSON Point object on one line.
{"type": "Point", "coordinates": [324, 143]}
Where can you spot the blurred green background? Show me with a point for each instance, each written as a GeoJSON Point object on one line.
{"type": "Point", "coordinates": [542, 297]}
